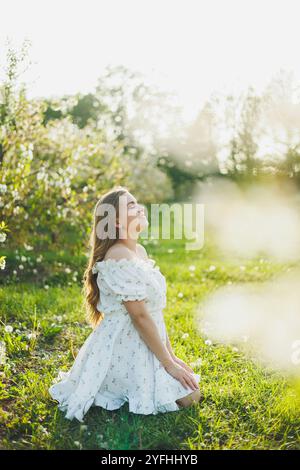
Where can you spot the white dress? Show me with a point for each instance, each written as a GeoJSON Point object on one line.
{"type": "Point", "coordinates": [115, 365]}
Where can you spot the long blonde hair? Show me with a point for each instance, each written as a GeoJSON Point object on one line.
{"type": "Point", "coordinates": [99, 248]}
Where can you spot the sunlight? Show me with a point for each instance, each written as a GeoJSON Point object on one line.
{"type": "Point", "coordinates": [192, 47]}
{"type": "Point", "coordinates": [262, 319]}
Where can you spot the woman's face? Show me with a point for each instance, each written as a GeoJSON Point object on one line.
{"type": "Point", "coordinates": [131, 215]}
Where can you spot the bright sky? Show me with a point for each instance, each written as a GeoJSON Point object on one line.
{"type": "Point", "coordinates": [193, 47]}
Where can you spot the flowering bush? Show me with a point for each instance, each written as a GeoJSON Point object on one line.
{"type": "Point", "coordinates": [52, 173]}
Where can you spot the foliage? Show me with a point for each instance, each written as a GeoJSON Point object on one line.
{"type": "Point", "coordinates": [52, 171]}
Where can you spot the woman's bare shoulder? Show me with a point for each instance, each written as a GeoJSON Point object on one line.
{"type": "Point", "coordinates": [118, 251]}
{"type": "Point", "coordinates": [142, 251]}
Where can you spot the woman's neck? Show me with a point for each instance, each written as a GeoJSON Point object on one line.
{"type": "Point", "coordinates": [130, 243]}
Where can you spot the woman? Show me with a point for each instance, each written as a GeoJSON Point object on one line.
{"type": "Point", "coordinates": [128, 356]}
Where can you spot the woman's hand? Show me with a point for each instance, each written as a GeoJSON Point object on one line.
{"type": "Point", "coordinates": [182, 375]}
{"type": "Point", "coordinates": [182, 364]}
{"type": "Point", "coordinates": [175, 358]}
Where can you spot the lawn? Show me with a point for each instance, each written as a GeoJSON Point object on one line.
{"type": "Point", "coordinates": [246, 406]}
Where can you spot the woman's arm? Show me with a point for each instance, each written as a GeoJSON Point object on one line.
{"type": "Point", "coordinates": [169, 347]}
{"type": "Point", "coordinates": [148, 330]}
{"type": "Point", "coordinates": [144, 254]}
{"type": "Point", "coordinates": [175, 358]}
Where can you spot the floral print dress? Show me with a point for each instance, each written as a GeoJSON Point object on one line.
{"type": "Point", "coordinates": [115, 365]}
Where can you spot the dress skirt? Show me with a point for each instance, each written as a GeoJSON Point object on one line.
{"type": "Point", "coordinates": [115, 366]}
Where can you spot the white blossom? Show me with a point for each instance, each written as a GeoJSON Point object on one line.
{"type": "Point", "coordinates": [28, 247]}
{"type": "Point", "coordinates": [197, 362]}
{"type": "Point", "coordinates": [31, 335]}
{"type": "Point", "coordinates": [2, 237]}
{"type": "Point", "coordinates": [2, 353]}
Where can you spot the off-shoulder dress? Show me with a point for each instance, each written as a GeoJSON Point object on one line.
{"type": "Point", "coordinates": [114, 365]}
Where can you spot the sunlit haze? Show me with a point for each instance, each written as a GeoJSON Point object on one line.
{"type": "Point", "coordinates": [192, 47]}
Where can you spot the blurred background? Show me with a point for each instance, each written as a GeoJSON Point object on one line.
{"type": "Point", "coordinates": [163, 98]}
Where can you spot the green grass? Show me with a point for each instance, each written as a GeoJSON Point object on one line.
{"type": "Point", "coordinates": [246, 406]}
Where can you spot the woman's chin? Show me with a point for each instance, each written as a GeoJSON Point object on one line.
{"type": "Point", "coordinates": [143, 222]}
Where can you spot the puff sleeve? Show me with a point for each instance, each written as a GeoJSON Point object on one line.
{"type": "Point", "coordinates": [123, 279]}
